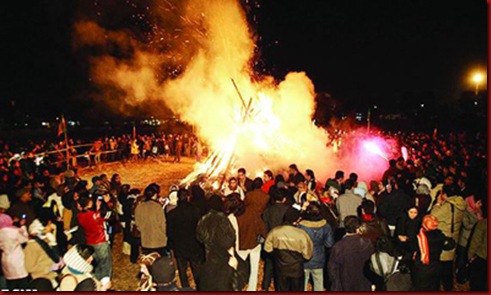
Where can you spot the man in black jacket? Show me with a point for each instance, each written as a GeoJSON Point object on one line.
{"type": "Point", "coordinates": [181, 231]}
{"type": "Point", "coordinates": [393, 204]}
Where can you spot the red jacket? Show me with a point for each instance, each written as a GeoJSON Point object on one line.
{"type": "Point", "coordinates": [267, 185]}
{"type": "Point", "coordinates": [93, 226]}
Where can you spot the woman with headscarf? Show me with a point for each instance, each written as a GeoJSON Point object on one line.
{"type": "Point", "coordinates": [428, 245]}
{"type": "Point", "coordinates": [472, 215]}
{"type": "Point", "coordinates": [11, 240]}
{"type": "Point", "coordinates": [408, 226]}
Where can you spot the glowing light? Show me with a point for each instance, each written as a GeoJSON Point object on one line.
{"type": "Point", "coordinates": [404, 153]}
{"type": "Point", "coordinates": [477, 78]}
{"type": "Point", "coordinates": [373, 148]}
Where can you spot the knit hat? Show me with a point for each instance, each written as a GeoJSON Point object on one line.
{"type": "Point", "coordinates": [5, 221]}
{"type": "Point", "coordinates": [163, 270]}
{"type": "Point", "coordinates": [4, 202]}
{"type": "Point", "coordinates": [430, 222]}
{"type": "Point", "coordinates": [76, 262]}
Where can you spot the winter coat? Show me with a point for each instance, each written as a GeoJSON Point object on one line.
{"type": "Point", "coordinates": [322, 236]}
{"type": "Point", "coordinates": [181, 230]}
{"type": "Point", "coordinates": [250, 223]}
{"type": "Point", "coordinates": [215, 231]}
{"type": "Point", "coordinates": [393, 205]}
{"type": "Point", "coordinates": [479, 241]}
{"type": "Point", "coordinates": [443, 212]}
{"type": "Point", "coordinates": [347, 262]}
{"type": "Point", "coordinates": [38, 263]}
{"type": "Point", "coordinates": [347, 204]}
{"type": "Point", "coordinates": [291, 246]}
{"type": "Point", "coordinates": [11, 239]}
{"type": "Point", "coordinates": [468, 222]}
{"type": "Point", "coordinates": [150, 220]}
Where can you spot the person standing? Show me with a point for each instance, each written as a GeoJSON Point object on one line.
{"type": "Point", "coordinates": [181, 231]}
{"type": "Point", "coordinates": [151, 222]}
{"type": "Point", "coordinates": [427, 267]}
{"type": "Point", "coordinates": [245, 182]}
{"type": "Point", "coordinates": [449, 210]}
{"type": "Point", "coordinates": [322, 236]}
{"type": "Point", "coordinates": [478, 254]}
{"type": "Point", "coordinates": [252, 229]}
{"type": "Point", "coordinates": [348, 258]}
{"type": "Point", "coordinates": [347, 204]}
{"type": "Point", "coordinates": [272, 216]}
{"type": "Point", "coordinates": [290, 246]}
{"type": "Point", "coordinates": [94, 227]}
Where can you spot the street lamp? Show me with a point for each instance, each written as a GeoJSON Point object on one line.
{"type": "Point", "coordinates": [477, 79]}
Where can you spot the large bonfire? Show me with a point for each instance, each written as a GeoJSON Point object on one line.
{"type": "Point", "coordinates": [247, 119]}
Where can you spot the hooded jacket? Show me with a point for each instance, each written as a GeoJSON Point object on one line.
{"type": "Point", "coordinates": [322, 237]}
{"type": "Point", "coordinates": [443, 212]}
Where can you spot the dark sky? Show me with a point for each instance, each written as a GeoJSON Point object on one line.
{"type": "Point", "coordinates": [356, 50]}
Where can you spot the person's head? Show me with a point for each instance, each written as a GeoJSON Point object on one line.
{"type": "Point", "coordinates": [291, 216]}
{"type": "Point", "coordinates": [152, 191]}
{"type": "Point", "coordinates": [349, 184]}
{"type": "Point", "coordinates": [339, 176]}
{"type": "Point", "coordinates": [24, 195]}
{"type": "Point", "coordinates": [430, 223]}
{"type": "Point", "coordinates": [392, 163]}
{"type": "Point", "coordinates": [163, 271]}
{"type": "Point", "coordinates": [354, 177]}
{"type": "Point", "coordinates": [279, 178]}
{"type": "Point", "coordinates": [448, 191]}
{"type": "Point", "coordinates": [309, 174]}
{"type": "Point", "coordinates": [267, 176]}
{"type": "Point", "coordinates": [302, 187]}
{"type": "Point", "coordinates": [233, 205]}
{"type": "Point", "coordinates": [116, 178]}
{"type": "Point", "coordinates": [232, 183]}
{"type": "Point", "coordinates": [293, 169]}
{"type": "Point", "coordinates": [104, 178]}
{"type": "Point", "coordinates": [183, 195]}
{"type": "Point", "coordinates": [412, 213]}
{"type": "Point", "coordinates": [215, 203]}
{"type": "Point", "coordinates": [367, 207]}
{"type": "Point", "coordinates": [257, 183]}
{"type": "Point", "coordinates": [352, 224]}
{"type": "Point", "coordinates": [312, 212]}
{"type": "Point", "coordinates": [85, 202]}
{"type": "Point", "coordinates": [241, 174]}
{"type": "Point", "coordinates": [96, 180]}
{"type": "Point", "coordinates": [449, 180]}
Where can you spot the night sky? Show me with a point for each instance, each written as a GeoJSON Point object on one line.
{"type": "Point", "coordinates": [355, 50]}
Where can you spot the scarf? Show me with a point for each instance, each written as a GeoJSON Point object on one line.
{"type": "Point", "coordinates": [429, 223]}
{"type": "Point", "coordinates": [367, 217]}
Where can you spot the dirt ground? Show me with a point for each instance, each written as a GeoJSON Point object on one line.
{"type": "Point", "coordinates": [139, 174]}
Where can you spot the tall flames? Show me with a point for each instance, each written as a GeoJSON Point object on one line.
{"type": "Point", "coordinates": [257, 123]}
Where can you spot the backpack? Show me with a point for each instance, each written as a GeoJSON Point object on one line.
{"type": "Point", "coordinates": [395, 280]}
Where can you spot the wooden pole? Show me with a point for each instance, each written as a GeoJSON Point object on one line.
{"type": "Point", "coordinates": [66, 142]}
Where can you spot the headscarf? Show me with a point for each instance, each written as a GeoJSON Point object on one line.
{"type": "Point", "coordinates": [471, 207]}
{"type": "Point", "coordinates": [5, 221]}
{"type": "Point", "coordinates": [4, 202]}
{"type": "Point", "coordinates": [430, 223]}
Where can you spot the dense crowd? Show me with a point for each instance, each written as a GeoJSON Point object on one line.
{"type": "Point", "coordinates": [422, 225]}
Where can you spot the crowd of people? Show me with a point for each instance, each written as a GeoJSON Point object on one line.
{"type": "Point", "coordinates": [419, 227]}
{"type": "Point", "coordinates": [83, 153]}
